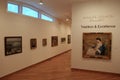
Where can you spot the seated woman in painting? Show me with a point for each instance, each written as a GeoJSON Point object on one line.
{"type": "Point", "coordinates": [99, 49]}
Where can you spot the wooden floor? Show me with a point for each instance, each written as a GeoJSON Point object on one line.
{"type": "Point", "coordinates": [58, 68]}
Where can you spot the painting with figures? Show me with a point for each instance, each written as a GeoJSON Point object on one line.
{"type": "Point", "coordinates": [97, 45]}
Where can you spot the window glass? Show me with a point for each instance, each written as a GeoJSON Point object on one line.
{"type": "Point", "coordinates": [29, 12]}
{"type": "Point", "coordinates": [44, 17]}
{"type": "Point", "coordinates": [12, 8]}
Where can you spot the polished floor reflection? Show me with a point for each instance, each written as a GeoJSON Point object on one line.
{"type": "Point", "coordinates": [58, 68]}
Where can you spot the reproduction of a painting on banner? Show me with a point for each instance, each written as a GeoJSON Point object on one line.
{"type": "Point", "coordinates": [97, 45]}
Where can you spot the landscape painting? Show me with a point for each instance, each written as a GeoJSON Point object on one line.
{"type": "Point", "coordinates": [13, 45]}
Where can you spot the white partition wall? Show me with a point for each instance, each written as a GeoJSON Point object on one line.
{"type": "Point", "coordinates": [96, 16]}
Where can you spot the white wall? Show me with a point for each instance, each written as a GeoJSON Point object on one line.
{"type": "Point", "coordinates": [18, 25]}
{"type": "Point", "coordinates": [107, 12]}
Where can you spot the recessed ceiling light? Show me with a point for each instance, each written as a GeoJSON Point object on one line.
{"type": "Point", "coordinates": [41, 2]}
{"type": "Point", "coordinates": [67, 19]}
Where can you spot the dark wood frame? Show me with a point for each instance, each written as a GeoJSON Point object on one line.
{"type": "Point", "coordinates": [63, 40]}
{"type": "Point", "coordinates": [54, 41]}
{"type": "Point", "coordinates": [13, 45]}
{"type": "Point", "coordinates": [68, 39]}
{"type": "Point", "coordinates": [33, 43]}
{"type": "Point", "coordinates": [44, 42]}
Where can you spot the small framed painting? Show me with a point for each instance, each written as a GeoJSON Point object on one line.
{"type": "Point", "coordinates": [44, 42]}
{"type": "Point", "coordinates": [63, 40]}
{"type": "Point", "coordinates": [33, 43]}
{"type": "Point", "coordinates": [97, 45]}
{"type": "Point", "coordinates": [54, 41]}
{"type": "Point", "coordinates": [13, 45]}
{"type": "Point", "coordinates": [69, 39]}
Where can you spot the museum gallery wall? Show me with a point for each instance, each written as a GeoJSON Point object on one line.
{"type": "Point", "coordinates": [95, 31]}
{"type": "Point", "coordinates": [26, 41]}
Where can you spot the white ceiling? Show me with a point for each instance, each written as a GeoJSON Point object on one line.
{"type": "Point", "coordinates": [57, 8]}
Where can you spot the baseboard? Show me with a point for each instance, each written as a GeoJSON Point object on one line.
{"type": "Point", "coordinates": [75, 69]}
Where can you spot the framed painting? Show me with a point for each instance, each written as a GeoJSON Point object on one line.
{"type": "Point", "coordinates": [33, 43]}
{"type": "Point", "coordinates": [63, 40]}
{"type": "Point", "coordinates": [69, 39]}
{"type": "Point", "coordinates": [13, 45]}
{"type": "Point", "coordinates": [44, 42]}
{"type": "Point", "coordinates": [97, 45]}
{"type": "Point", "coordinates": [54, 41]}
